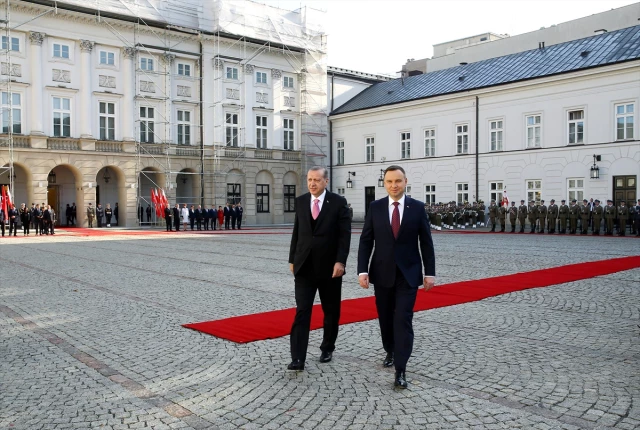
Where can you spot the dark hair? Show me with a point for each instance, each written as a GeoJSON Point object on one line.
{"type": "Point", "coordinates": [392, 168]}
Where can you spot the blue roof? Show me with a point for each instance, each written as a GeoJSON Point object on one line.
{"type": "Point", "coordinates": [595, 51]}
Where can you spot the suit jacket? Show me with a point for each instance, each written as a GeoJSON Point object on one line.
{"type": "Point", "coordinates": [168, 213]}
{"type": "Point", "coordinates": [239, 211]}
{"type": "Point", "coordinates": [326, 244]}
{"type": "Point", "coordinates": [176, 213]}
{"type": "Point", "coordinates": [402, 252]}
{"type": "Point", "coordinates": [227, 211]}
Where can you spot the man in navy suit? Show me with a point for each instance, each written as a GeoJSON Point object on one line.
{"type": "Point", "coordinates": [396, 225]}
{"type": "Point", "coordinates": [317, 258]}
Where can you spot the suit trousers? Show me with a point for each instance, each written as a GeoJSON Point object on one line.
{"type": "Point", "coordinates": [239, 222]}
{"type": "Point", "coordinates": [395, 314]}
{"type": "Point", "coordinates": [330, 290]}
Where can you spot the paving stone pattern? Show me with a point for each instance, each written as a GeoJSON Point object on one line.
{"type": "Point", "coordinates": [91, 337]}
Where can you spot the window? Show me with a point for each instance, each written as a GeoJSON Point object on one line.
{"type": "Point", "coordinates": [430, 194]}
{"type": "Point", "coordinates": [462, 192]}
{"type": "Point", "coordinates": [146, 64]}
{"type": "Point", "coordinates": [147, 124]}
{"type": "Point", "coordinates": [13, 46]}
{"type": "Point", "coordinates": [232, 73]}
{"type": "Point", "coordinates": [287, 82]}
{"type": "Point", "coordinates": [184, 127]}
{"type": "Point", "coordinates": [108, 58]}
{"type": "Point", "coordinates": [407, 191]}
{"type": "Point", "coordinates": [430, 142]}
{"type": "Point", "coordinates": [261, 132]}
{"type": "Point", "coordinates": [11, 104]}
{"type": "Point", "coordinates": [495, 191]}
{"type": "Point", "coordinates": [60, 51]}
{"type": "Point", "coordinates": [262, 198]}
{"type": "Point", "coordinates": [340, 149]}
{"type": "Point", "coordinates": [234, 192]}
{"type": "Point", "coordinates": [534, 190]}
{"type": "Point", "coordinates": [184, 69]}
{"type": "Point", "coordinates": [370, 150]}
{"type": "Point", "coordinates": [575, 189]}
{"type": "Point", "coordinates": [107, 121]}
{"type": "Point", "coordinates": [496, 133]}
{"type": "Point", "coordinates": [534, 131]}
{"type": "Point", "coordinates": [624, 121]}
{"type": "Point", "coordinates": [261, 78]}
{"type": "Point", "coordinates": [231, 125]}
{"type": "Point", "coordinates": [576, 127]}
{"type": "Point", "coordinates": [462, 139]}
{"type": "Point", "coordinates": [289, 198]}
{"type": "Point", "coordinates": [61, 117]}
{"type": "Point", "coordinates": [405, 145]}
{"type": "Point", "coordinates": [341, 191]}
{"type": "Point", "coordinates": [288, 134]}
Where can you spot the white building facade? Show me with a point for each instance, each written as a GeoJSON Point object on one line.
{"type": "Point", "coordinates": [536, 138]}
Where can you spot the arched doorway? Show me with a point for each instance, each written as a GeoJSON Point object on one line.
{"type": "Point", "coordinates": [149, 178]}
{"type": "Point", "coordinates": [64, 187]}
{"type": "Point", "coordinates": [188, 187]}
{"type": "Point", "coordinates": [22, 190]}
{"type": "Point", "coordinates": [110, 189]}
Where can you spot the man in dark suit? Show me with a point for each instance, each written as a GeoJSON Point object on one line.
{"type": "Point", "coordinates": [168, 215]}
{"type": "Point", "coordinates": [317, 259]}
{"type": "Point", "coordinates": [213, 216]}
{"type": "Point", "coordinates": [3, 218]}
{"type": "Point", "coordinates": [192, 217]}
{"type": "Point", "coordinates": [395, 225]}
{"type": "Point", "coordinates": [176, 216]}
{"type": "Point", "coordinates": [239, 212]}
{"type": "Point", "coordinates": [227, 216]}
{"type": "Point", "coordinates": [234, 217]}
{"type": "Point", "coordinates": [199, 216]}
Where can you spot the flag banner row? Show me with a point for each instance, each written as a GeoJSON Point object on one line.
{"type": "Point", "coordinates": [159, 201]}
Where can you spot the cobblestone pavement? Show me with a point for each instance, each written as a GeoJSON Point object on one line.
{"type": "Point", "coordinates": [91, 338]}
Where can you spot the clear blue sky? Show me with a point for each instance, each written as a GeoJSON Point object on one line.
{"type": "Point", "coordinates": [378, 36]}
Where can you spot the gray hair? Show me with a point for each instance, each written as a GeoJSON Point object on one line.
{"type": "Point", "coordinates": [325, 172]}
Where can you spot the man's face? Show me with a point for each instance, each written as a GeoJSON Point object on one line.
{"type": "Point", "coordinates": [395, 182]}
{"type": "Point", "coordinates": [316, 182]}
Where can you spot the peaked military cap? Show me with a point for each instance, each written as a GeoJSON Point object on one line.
{"type": "Point", "coordinates": [563, 200]}
{"type": "Point", "coordinates": [553, 201]}
{"type": "Point", "coordinates": [585, 200]}
{"type": "Point", "coordinates": [522, 201]}
{"type": "Point", "coordinates": [597, 201]}
{"type": "Point", "coordinates": [573, 201]}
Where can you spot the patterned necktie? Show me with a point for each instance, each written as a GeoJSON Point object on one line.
{"type": "Point", "coordinates": [316, 208]}
{"type": "Point", "coordinates": [395, 220]}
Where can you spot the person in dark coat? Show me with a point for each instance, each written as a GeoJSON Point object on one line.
{"type": "Point", "coordinates": [205, 217]}
{"type": "Point", "coordinates": [239, 212]}
{"type": "Point", "coordinates": [74, 213]}
{"type": "Point", "coordinates": [3, 219]}
{"type": "Point", "coordinates": [140, 214]}
{"type": "Point", "coordinates": [108, 213]}
{"type": "Point", "coordinates": [192, 217]}
{"type": "Point", "coordinates": [148, 213]}
{"type": "Point", "coordinates": [176, 216]}
{"type": "Point", "coordinates": [116, 212]}
{"type": "Point", "coordinates": [35, 218]}
{"type": "Point", "coordinates": [227, 216]}
{"type": "Point", "coordinates": [99, 214]}
{"type": "Point", "coordinates": [213, 214]}
{"type": "Point", "coordinates": [199, 216]}
{"type": "Point", "coordinates": [234, 217]}
{"type": "Point", "coordinates": [68, 215]}
{"type": "Point", "coordinates": [14, 216]}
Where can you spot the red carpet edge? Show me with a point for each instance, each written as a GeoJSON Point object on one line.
{"type": "Point", "coordinates": [274, 324]}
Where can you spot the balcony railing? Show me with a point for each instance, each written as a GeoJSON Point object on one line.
{"type": "Point", "coordinates": [18, 141]}
{"type": "Point", "coordinates": [109, 146]}
{"type": "Point", "coordinates": [63, 144]}
{"type": "Point", "coordinates": [263, 154]}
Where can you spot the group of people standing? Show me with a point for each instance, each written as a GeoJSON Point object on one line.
{"type": "Point", "coordinates": [41, 218]}
{"type": "Point", "coordinates": [204, 219]}
{"type": "Point", "coordinates": [572, 218]}
{"type": "Point", "coordinates": [102, 215]}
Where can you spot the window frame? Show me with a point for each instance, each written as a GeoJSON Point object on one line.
{"type": "Point", "coordinates": [231, 137]}
{"type": "Point", "coordinates": [10, 109]}
{"type": "Point", "coordinates": [496, 190]}
{"type": "Point", "coordinates": [339, 152]}
{"type": "Point", "coordinates": [234, 73]}
{"type": "Point", "coordinates": [575, 192]}
{"type": "Point", "coordinates": [535, 190]}
{"type": "Point", "coordinates": [582, 120]}
{"type": "Point", "coordinates": [109, 132]}
{"type": "Point", "coordinates": [289, 193]}
{"type": "Point", "coordinates": [258, 78]}
{"type": "Point", "coordinates": [234, 193]}
{"type": "Point", "coordinates": [262, 131]}
{"type": "Point", "coordinates": [147, 124]}
{"type": "Point", "coordinates": [533, 127]}
{"type": "Point", "coordinates": [288, 137]}
{"type": "Point", "coordinates": [430, 194]}
{"type": "Point", "coordinates": [7, 44]}
{"type": "Point", "coordinates": [430, 141]}
{"type": "Point", "coordinates": [61, 46]}
{"type": "Point", "coordinates": [183, 131]}
{"type": "Point", "coordinates": [498, 132]}
{"type": "Point", "coordinates": [370, 149]}
{"type": "Point", "coordinates": [405, 145]}
{"type": "Point", "coordinates": [261, 198]}
{"type": "Point", "coordinates": [149, 63]}
{"type": "Point", "coordinates": [61, 111]}
{"type": "Point", "coordinates": [186, 69]}
{"type": "Point", "coordinates": [462, 192]}
{"type": "Point", "coordinates": [288, 87]}
{"type": "Point", "coordinates": [460, 135]}
{"type": "Point", "coordinates": [107, 54]}
{"type": "Point", "coordinates": [626, 115]}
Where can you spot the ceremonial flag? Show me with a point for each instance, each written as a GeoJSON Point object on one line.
{"type": "Point", "coordinates": [505, 198]}
{"type": "Point", "coordinates": [4, 202]}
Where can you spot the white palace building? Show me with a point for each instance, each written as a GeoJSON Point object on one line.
{"type": "Point", "coordinates": [547, 122]}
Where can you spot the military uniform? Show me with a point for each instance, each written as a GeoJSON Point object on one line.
{"type": "Point", "coordinates": [513, 216]}
{"type": "Point", "coordinates": [493, 213]}
{"type": "Point", "coordinates": [623, 215]}
{"type": "Point", "coordinates": [502, 216]}
{"type": "Point", "coordinates": [522, 215]}
{"type": "Point", "coordinates": [552, 216]}
{"type": "Point", "coordinates": [574, 213]}
{"type": "Point", "coordinates": [609, 217]}
{"type": "Point", "coordinates": [585, 213]}
{"type": "Point", "coordinates": [597, 218]}
{"type": "Point", "coordinates": [91, 214]}
{"type": "Point", "coordinates": [542, 216]}
{"type": "Point", "coordinates": [563, 214]}
{"type": "Point", "coordinates": [533, 215]}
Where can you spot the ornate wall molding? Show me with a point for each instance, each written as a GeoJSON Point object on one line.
{"type": "Point", "coordinates": [184, 91]}
{"type": "Point", "coordinates": [233, 94]}
{"type": "Point", "coordinates": [276, 73]}
{"type": "Point", "coordinates": [248, 69]}
{"type": "Point", "coordinates": [262, 97]}
{"type": "Point", "coordinates": [107, 81]}
{"type": "Point", "coordinates": [60, 75]}
{"type": "Point", "coordinates": [128, 52]}
{"type": "Point", "coordinates": [36, 38]}
{"type": "Point", "coordinates": [86, 45]}
{"type": "Point", "coordinates": [168, 58]}
{"type": "Point", "coordinates": [16, 69]}
{"type": "Point", "coordinates": [217, 63]}
{"type": "Point", "coordinates": [289, 101]}
{"type": "Point", "coordinates": [147, 87]}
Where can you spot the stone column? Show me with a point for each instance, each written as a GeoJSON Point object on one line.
{"type": "Point", "coordinates": [276, 99]}
{"type": "Point", "coordinates": [219, 98]}
{"type": "Point", "coordinates": [128, 71]}
{"type": "Point", "coordinates": [86, 46]}
{"type": "Point", "coordinates": [249, 100]}
{"type": "Point", "coordinates": [37, 126]}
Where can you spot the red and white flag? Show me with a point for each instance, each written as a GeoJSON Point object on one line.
{"type": "Point", "coordinates": [9, 198]}
{"type": "Point", "coordinates": [505, 198]}
{"type": "Point", "coordinates": [3, 202]}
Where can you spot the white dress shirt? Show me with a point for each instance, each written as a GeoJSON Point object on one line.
{"type": "Point", "coordinates": [321, 198]}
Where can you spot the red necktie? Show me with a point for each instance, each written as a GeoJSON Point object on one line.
{"type": "Point", "coordinates": [395, 220]}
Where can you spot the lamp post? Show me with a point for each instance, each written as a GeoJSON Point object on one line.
{"type": "Point", "coordinates": [51, 178]}
{"type": "Point", "coordinates": [106, 176]}
{"type": "Point", "coordinates": [595, 170]}
{"type": "Point", "coordinates": [381, 179]}
{"type": "Point", "coordinates": [349, 181]}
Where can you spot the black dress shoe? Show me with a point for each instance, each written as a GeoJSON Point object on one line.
{"type": "Point", "coordinates": [401, 380]}
{"type": "Point", "coordinates": [326, 357]}
{"type": "Point", "coordinates": [388, 360]}
{"type": "Point", "coordinates": [296, 365]}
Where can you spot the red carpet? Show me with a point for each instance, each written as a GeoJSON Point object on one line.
{"type": "Point", "coordinates": [273, 324]}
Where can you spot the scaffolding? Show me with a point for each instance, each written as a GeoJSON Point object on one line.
{"type": "Point", "coordinates": [6, 109]}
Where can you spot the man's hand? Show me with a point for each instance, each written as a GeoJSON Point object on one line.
{"type": "Point", "coordinates": [338, 270]}
{"type": "Point", "coordinates": [364, 281]}
{"type": "Point", "coordinates": [429, 282]}
{"type": "Point", "coordinates": [291, 267]}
